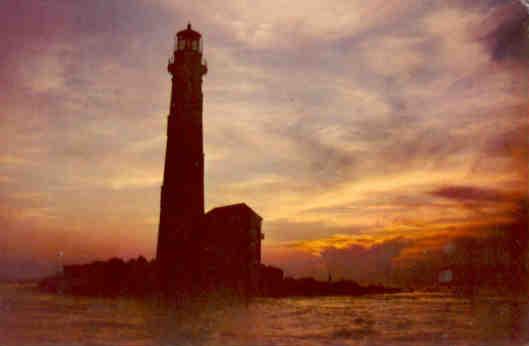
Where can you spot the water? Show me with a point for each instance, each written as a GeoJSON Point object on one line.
{"type": "Point", "coordinates": [28, 317]}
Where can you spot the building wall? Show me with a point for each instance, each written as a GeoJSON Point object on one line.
{"type": "Point", "coordinates": [231, 250]}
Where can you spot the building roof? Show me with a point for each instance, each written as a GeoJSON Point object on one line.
{"type": "Point", "coordinates": [189, 33]}
{"type": "Point", "coordinates": [238, 207]}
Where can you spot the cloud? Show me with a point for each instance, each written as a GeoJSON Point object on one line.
{"type": "Point", "coordinates": [467, 193]}
{"type": "Point", "coordinates": [365, 264]}
{"type": "Point", "coordinates": [491, 254]}
{"type": "Point", "coordinates": [504, 33]}
{"type": "Point", "coordinates": [355, 119]}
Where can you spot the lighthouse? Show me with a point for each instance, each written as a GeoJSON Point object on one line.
{"type": "Point", "coordinates": [182, 191]}
{"type": "Point", "coordinates": [199, 252]}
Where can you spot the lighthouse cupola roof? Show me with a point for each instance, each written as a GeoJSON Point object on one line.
{"type": "Point", "coordinates": [188, 39]}
{"type": "Point", "coordinates": [189, 33]}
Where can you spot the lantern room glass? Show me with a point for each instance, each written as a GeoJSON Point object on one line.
{"type": "Point", "coordinates": [181, 44]}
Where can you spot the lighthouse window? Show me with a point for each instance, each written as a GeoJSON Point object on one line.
{"type": "Point", "coordinates": [194, 45]}
{"type": "Point", "coordinates": [181, 44]}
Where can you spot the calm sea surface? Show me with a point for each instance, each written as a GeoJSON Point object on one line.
{"type": "Point", "coordinates": [28, 317]}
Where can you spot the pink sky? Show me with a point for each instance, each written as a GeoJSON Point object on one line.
{"type": "Point", "coordinates": [367, 134]}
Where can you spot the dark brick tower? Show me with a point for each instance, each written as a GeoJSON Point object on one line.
{"type": "Point", "coordinates": [182, 195]}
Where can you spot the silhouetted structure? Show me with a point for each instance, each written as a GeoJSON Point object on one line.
{"type": "Point", "coordinates": [270, 281]}
{"type": "Point", "coordinates": [231, 249]}
{"type": "Point", "coordinates": [198, 252]}
{"type": "Point", "coordinates": [182, 193]}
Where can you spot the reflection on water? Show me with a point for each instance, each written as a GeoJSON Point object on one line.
{"type": "Point", "coordinates": [28, 317]}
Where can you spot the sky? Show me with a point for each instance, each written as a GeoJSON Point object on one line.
{"type": "Point", "coordinates": [378, 140]}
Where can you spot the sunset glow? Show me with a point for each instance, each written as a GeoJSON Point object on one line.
{"type": "Point", "coordinates": [372, 137]}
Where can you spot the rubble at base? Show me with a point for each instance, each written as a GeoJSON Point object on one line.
{"type": "Point", "coordinates": [137, 278]}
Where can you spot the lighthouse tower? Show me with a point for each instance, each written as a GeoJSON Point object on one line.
{"type": "Point", "coordinates": [182, 195]}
